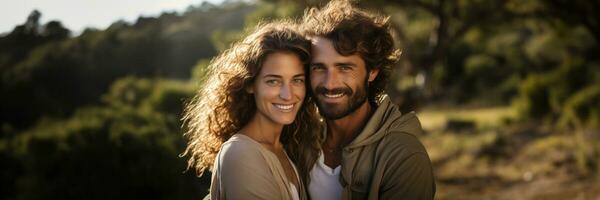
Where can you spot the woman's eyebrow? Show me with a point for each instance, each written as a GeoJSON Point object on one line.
{"type": "Point", "coordinates": [272, 75]}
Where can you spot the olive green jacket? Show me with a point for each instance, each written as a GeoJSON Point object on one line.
{"type": "Point", "coordinates": [386, 160]}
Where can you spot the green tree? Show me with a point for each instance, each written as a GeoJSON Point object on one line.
{"type": "Point", "coordinates": [127, 148]}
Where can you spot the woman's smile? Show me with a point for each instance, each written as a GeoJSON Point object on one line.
{"type": "Point", "coordinates": [284, 107]}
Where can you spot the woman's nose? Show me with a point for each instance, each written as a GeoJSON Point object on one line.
{"type": "Point", "coordinates": [285, 92]}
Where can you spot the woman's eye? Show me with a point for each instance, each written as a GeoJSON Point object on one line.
{"type": "Point", "coordinates": [272, 82]}
{"type": "Point", "coordinates": [299, 80]}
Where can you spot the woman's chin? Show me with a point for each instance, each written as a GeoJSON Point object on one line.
{"type": "Point", "coordinates": [286, 122]}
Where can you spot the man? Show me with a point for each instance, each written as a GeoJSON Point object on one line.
{"type": "Point", "coordinates": [370, 149]}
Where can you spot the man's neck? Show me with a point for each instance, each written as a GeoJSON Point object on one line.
{"type": "Point", "coordinates": [342, 131]}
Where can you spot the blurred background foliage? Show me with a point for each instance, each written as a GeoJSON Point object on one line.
{"type": "Point", "coordinates": [508, 92]}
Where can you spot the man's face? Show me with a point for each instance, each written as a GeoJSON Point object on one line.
{"type": "Point", "coordinates": [338, 82]}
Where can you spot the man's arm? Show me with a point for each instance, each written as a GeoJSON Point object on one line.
{"type": "Point", "coordinates": [408, 172]}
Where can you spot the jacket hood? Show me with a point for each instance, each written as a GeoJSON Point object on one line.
{"type": "Point", "coordinates": [385, 117]}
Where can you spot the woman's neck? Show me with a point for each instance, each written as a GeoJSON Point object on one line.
{"type": "Point", "coordinates": [263, 130]}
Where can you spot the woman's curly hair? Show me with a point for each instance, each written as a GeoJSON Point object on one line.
{"type": "Point", "coordinates": [223, 106]}
{"type": "Point", "coordinates": [354, 31]}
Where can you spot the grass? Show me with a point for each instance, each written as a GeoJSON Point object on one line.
{"type": "Point", "coordinates": [501, 158]}
{"type": "Point", "coordinates": [435, 119]}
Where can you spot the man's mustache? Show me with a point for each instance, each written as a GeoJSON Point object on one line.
{"type": "Point", "coordinates": [323, 90]}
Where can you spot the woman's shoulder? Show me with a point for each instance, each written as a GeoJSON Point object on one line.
{"type": "Point", "coordinates": [240, 147]}
{"type": "Point", "coordinates": [243, 172]}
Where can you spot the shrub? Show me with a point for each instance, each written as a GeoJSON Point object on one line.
{"type": "Point", "coordinates": [582, 109]}
{"type": "Point", "coordinates": [543, 96]}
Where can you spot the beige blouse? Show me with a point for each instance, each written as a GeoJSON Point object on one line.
{"type": "Point", "coordinates": [243, 169]}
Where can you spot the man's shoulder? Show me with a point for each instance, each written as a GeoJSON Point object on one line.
{"type": "Point", "coordinates": [402, 141]}
{"type": "Point", "coordinates": [403, 135]}
{"type": "Point", "coordinates": [407, 123]}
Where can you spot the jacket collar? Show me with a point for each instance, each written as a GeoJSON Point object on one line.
{"type": "Point", "coordinates": [385, 117]}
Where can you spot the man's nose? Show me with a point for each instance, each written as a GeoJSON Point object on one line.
{"type": "Point", "coordinates": [331, 80]}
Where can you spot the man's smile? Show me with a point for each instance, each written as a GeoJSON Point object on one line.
{"type": "Point", "coordinates": [338, 95]}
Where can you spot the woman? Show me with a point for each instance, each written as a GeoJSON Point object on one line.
{"type": "Point", "coordinates": [252, 114]}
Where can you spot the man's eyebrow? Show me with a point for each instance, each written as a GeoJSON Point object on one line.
{"type": "Point", "coordinates": [299, 75]}
{"type": "Point", "coordinates": [345, 64]}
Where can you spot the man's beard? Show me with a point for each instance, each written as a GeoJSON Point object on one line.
{"type": "Point", "coordinates": [356, 99]}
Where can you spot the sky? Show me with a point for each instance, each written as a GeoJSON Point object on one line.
{"type": "Point", "coordinates": [76, 15]}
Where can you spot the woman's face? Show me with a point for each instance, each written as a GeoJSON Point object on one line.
{"type": "Point", "coordinates": [279, 87]}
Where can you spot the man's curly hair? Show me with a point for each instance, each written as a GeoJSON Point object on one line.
{"type": "Point", "coordinates": [354, 31]}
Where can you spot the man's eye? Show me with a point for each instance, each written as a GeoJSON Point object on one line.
{"type": "Point", "coordinates": [345, 68]}
{"type": "Point", "coordinates": [317, 68]}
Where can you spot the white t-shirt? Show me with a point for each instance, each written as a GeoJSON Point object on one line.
{"type": "Point", "coordinates": [293, 189]}
{"type": "Point", "coordinates": [324, 181]}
